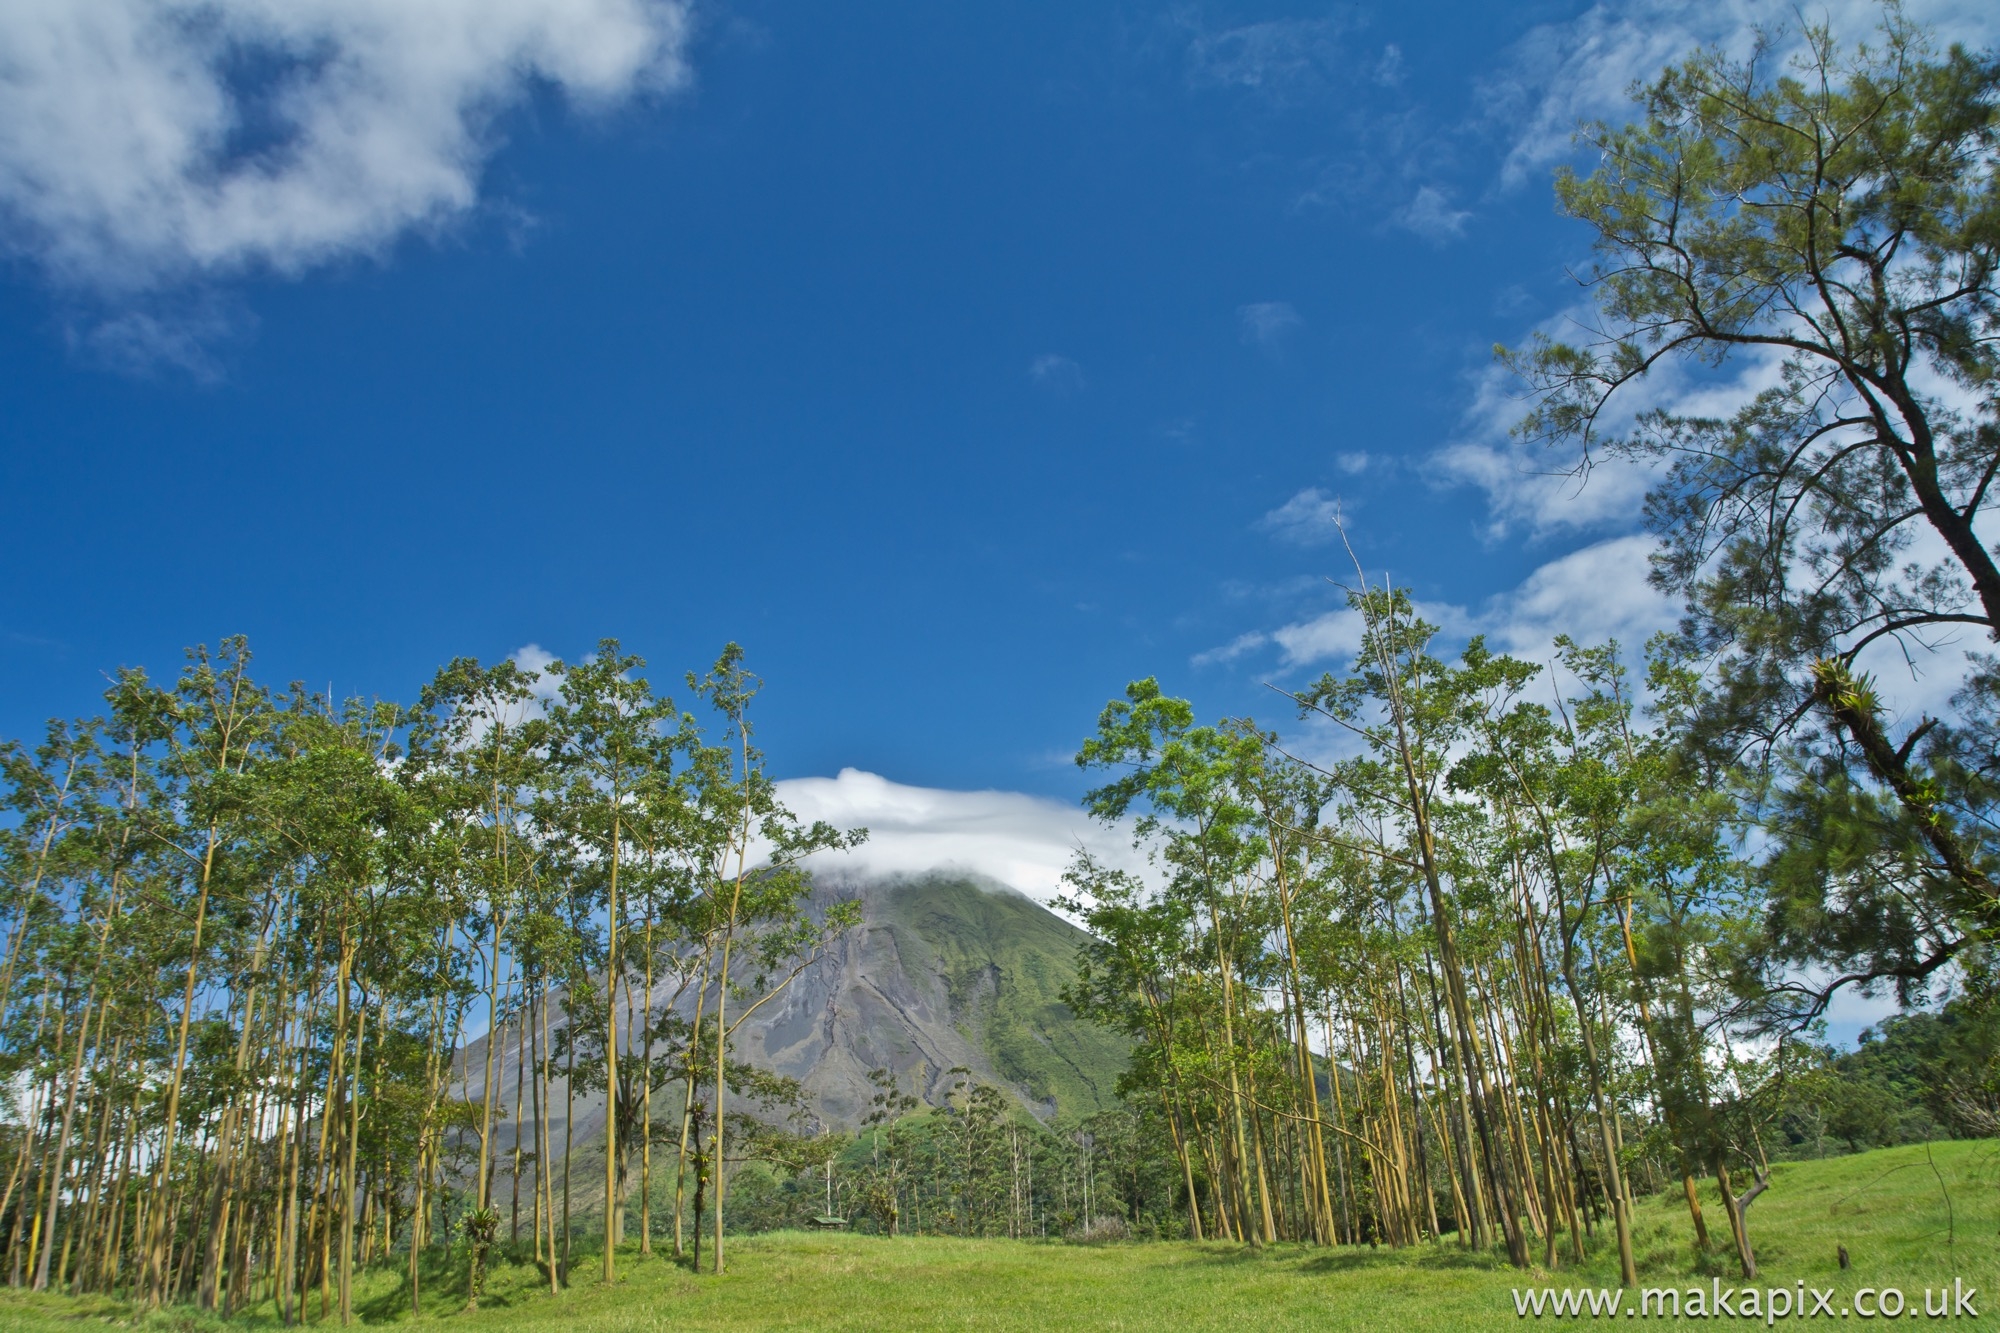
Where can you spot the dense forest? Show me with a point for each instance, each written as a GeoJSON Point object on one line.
{"type": "Point", "coordinates": [1468, 947]}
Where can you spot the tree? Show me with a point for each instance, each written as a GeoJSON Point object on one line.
{"type": "Point", "coordinates": [1412, 711]}
{"type": "Point", "coordinates": [241, 935]}
{"type": "Point", "coordinates": [887, 1108]}
{"type": "Point", "coordinates": [1179, 777]}
{"type": "Point", "coordinates": [754, 910]}
{"type": "Point", "coordinates": [477, 752]}
{"type": "Point", "coordinates": [1835, 224]}
{"type": "Point", "coordinates": [604, 732]}
{"type": "Point", "coordinates": [220, 719]}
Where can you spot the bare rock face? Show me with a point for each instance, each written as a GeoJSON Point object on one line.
{"type": "Point", "coordinates": [944, 971]}
{"type": "Point", "coordinates": [877, 1000]}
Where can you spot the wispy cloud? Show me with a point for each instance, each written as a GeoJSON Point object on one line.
{"type": "Point", "coordinates": [1560, 73]}
{"type": "Point", "coordinates": [1430, 215]}
{"type": "Point", "coordinates": [1266, 323]}
{"type": "Point", "coordinates": [1057, 374]}
{"type": "Point", "coordinates": [1389, 69]}
{"type": "Point", "coordinates": [1534, 489]}
{"type": "Point", "coordinates": [1422, 157]}
{"type": "Point", "coordinates": [173, 337]}
{"type": "Point", "coordinates": [1240, 646]}
{"type": "Point", "coordinates": [1584, 68]}
{"type": "Point", "coordinates": [1280, 59]}
{"type": "Point", "coordinates": [1287, 83]}
{"type": "Point", "coordinates": [145, 143]}
{"type": "Point", "coordinates": [1310, 518]}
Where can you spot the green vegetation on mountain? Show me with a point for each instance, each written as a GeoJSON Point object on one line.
{"type": "Point", "coordinates": [1005, 960]}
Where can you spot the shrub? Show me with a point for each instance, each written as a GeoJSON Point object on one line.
{"type": "Point", "coordinates": [1102, 1229]}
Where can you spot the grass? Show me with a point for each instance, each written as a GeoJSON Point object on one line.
{"type": "Point", "coordinates": [1912, 1218]}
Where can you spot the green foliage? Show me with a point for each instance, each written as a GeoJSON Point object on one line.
{"type": "Point", "coordinates": [1005, 963]}
{"type": "Point", "coordinates": [1838, 221]}
{"type": "Point", "coordinates": [258, 927]}
{"type": "Point", "coordinates": [1913, 1078]}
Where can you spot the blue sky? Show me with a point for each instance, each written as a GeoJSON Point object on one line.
{"type": "Point", "coordinates": [962, 362]}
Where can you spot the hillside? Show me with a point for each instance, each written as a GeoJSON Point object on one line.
{"type": "Point", "coordinates": [944, 971]}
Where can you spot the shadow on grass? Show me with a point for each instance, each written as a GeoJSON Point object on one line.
{"type": "Point", "coordinates": [1343, 1259]}
{"type": "Point", "coordinates": [1431, 1256]}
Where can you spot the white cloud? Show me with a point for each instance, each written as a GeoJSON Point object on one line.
{"type": "Point", "coordinates": [1584, 68]}
{"type": "Point", "coordinates": [1430, 215]}
{"type": "Point", "coordinates": [1533, 487]}
{"type": "Point", "coordinates": [1529, 486]}
{"type": "Point", "coordinates": [1265, 323]}
{"type": "Point", "coordinates": [1596, 593]}
{"type": "Point", "coordinates": [536, 660]}
{"type": "Point", "coordinates": [532, 657]}
{"type": "Point", "coordinates": [1334, 636]}
{"type": "Point", "coordinates": [1023, 841]}
{"type": "Point", "coordinates": [1229, 652]}
{"type": "Point", "coordinates": [1593, 594]}
{"type": "Point", "coordinates": [1309, 518]}
{"type": "Point", "coordinates": [149, 142]}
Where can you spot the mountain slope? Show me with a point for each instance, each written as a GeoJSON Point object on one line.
{"type": "Point", "coordinates": [945, 970]}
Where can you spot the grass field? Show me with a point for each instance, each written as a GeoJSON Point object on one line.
{"type": "Point", "coordinates": [1911, 1218]}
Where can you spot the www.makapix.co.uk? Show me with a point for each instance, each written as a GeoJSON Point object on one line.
{"type": "Point", "coordinates": [1771, 1303]}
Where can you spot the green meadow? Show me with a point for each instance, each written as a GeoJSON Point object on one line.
{"type": "Point", "coordinates": [1912, 1218]}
